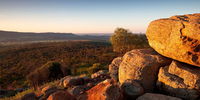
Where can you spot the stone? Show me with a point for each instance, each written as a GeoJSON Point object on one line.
{"type": "Point", "coordinates": [106, 90]}
{"type": "Point", "coordinates": [48, 88]}
{"type": "Point", "coordinates": [99, 73]}
{"type": "Point", "coordinates": [69, 81]}
{"type": "Point", "coordinates": [189, 74]}
{"type": "Point", "coordinates": [114, 68]}
{"type": "Point", "coordinates": [142, 65]}
{"type": "Point", "coordinates": [61, 95]}
{"type": "Point", "coordinates": [47, 91]}
{"type": "Point", "coordinates": [131, 89]}
{"type": "Point", "coordinates": [29, 96]}
{"type": "Point", "coordinates": [152, 96]}
{"type": "Point", "coordinates": [177, 37]}
{"type": "Point", "coordinates": [175, 85]}
{"type": "Point", "coordinates": [76, 90]}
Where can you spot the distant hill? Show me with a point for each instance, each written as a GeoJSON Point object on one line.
{"type": "Point", "coordinates": [15, 37]}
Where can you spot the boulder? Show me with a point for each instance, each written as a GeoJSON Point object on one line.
{"type": "Point", "coordinates": [131, 89]}
{"type": "Point", "coordinates": [176, 82]}
{"type": "Point", "coordinates": [47, 91]}
{"type": "Point", "coordinates": [99, 73]}
{"type": "Point", "coordinates": [69, 81]}
{"type": "Point", "coordinates": [76, 90]}
{"type": "Point", "coordinates": [189, 74]}
{"type": "Point", "coordinates": [48, 88]}
{"type": "Point", "coordinates": [61, 95]}
{"type": "Point", "coordinates": [142, 65]}
{"type": "Point", "coordinates": [29, 96]}
{"type": "Point", "coordinates": [152, 96]}
{"type": "Point", "coordinates": [106, 90]}
{"type": "Point", "coordinates": [114, 67]}
{"type": "Point", "coordinates": [177, 37]}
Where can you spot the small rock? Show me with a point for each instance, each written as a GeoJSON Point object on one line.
{"type": "Point", "coordinates": [76, 90]}
{"type": "Point", "coordinates": [131, 89]}
{"type": "Point", "coordinates": [48, 88]}
{"type": "Point", "coordinates": [47, 91]}
{"type": "Point", "coordinates": [106, 90]}
{"type": "Point", "coordinates": [114, 67]}
{"type": "Point", "coordinates": [61, 95]}
{"type": "Point", "coordinates": [73, 81]}
{"type": "Point", "coordinates": [99, 73]}
{"type": "Point", "coordinates": [29, 96]}
{"type": "Point", "coordinates": [152, 96]}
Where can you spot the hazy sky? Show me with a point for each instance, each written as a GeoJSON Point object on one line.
{"type": "Point", "coordinates": [88, 16]}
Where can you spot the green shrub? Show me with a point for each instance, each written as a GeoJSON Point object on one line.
{"type": "Point", "coordinates": [123, 40]}
{"type": "Point", "coordinates": [90, 69]}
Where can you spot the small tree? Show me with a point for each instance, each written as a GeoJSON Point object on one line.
{"type": "Point", "coordinates": [123, 40]}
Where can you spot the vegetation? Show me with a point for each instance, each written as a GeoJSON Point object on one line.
{"type": "Point", "coordinates": [123, 40]}
{"type": "Point", "coordinates": [90, 69]}
{"type": "Point", "coordinates": [38, 63]}
{"type": "Point", "coordinates": [48, 72]}
{"type": "Point", "coordinates": [18, 61]}
{"type": "Point", "coordinates": [30, 90]}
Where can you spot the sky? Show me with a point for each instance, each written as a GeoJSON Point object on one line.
{"type": "Point", "coordinates": [88, 16]}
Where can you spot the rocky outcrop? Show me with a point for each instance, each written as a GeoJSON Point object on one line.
{"type": "Point", "coordinates": [142, 65]}
{"type": "Point", "coordinates": [177, 37]}
{"type": "Point", "coordinates": [61, 95]}
{"type": "Point", "coordinates": [179, 80]}
{"type": "Point", "coordinates": [114, 67]}
{"type": "Point", "coordinates": [131, 89]}
{"type": "Point", "coordinates": [152, 96]}
{"type": "Point", "coordinates": [143, 74]}
{"type": "Point", "coordinates": [106, 90]}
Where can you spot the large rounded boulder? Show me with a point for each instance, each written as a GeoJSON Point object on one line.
{"type": "Point", "coordinates": [142, 65]}
{"type": "Point", "coordinates": [177, 37]}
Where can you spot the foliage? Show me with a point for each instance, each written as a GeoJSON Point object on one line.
{"type": "Point", "coordinates": [88, 70]}
{"type": "Point", "coordinates": [48, 72]}
{"type": "Point", "coordinates": [123, 40]}
{"type": "Point", "coordinates": [16, 62]}
{"type": "Point", "coordinates": [18, 95]}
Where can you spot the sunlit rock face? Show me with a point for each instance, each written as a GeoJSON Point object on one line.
{"type": "Point", "coordinates": [114, 67]}
{"type": "Point", "coordinates": [153, 96]}
{"type": "Point", "coordinates": [180, 80]}
{"type": "Point", "coordinates": [106, 90]}
{"type": "Point", "coordinates": [177, 37]}
{"type": "Point", "coordinates": [142, 65]}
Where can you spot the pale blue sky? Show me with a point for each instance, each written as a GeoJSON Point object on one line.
{"type": "Point", "coordinates": [88, 16]}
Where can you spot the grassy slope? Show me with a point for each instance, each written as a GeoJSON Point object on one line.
{"type": "Point", "coordinates": [17, 61]}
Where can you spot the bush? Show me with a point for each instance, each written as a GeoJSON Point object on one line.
{"type": "Point", "coordinates": [48, 72]}
{"type": "Point", "coordinates": [123, 40]}
{"type": "Point", "coordinates": [55, 71]}
{"type": "Point", "coordinates": [90, 69]}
